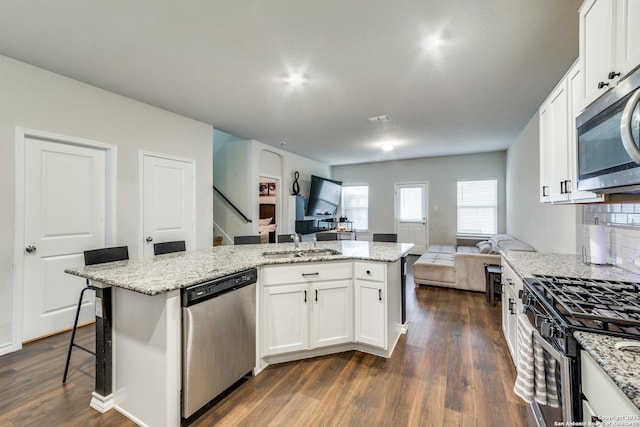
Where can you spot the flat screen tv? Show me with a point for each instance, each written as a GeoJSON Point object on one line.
{"type": "Point", "coordinates": [324, 197]}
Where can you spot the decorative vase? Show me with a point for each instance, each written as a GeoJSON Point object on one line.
{"type": "Point", "coordinates": [296, 186]}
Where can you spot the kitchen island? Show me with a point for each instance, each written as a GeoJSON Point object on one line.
{"type": "Point", "coordinates": [139, 309]}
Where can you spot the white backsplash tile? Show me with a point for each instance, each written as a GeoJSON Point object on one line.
{"type": "Point", "coordinates": [622, 231]}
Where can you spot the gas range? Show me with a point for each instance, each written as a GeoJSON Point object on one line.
{"type": "Point", "coordinates": [588, 304]}
{"type": "Point", "coordinates": [556, 307]}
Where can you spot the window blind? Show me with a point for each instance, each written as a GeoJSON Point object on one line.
{"type": "Point", "coordinates": [355, 206]}
{"type": "Point", "coordinates": [477, 207]}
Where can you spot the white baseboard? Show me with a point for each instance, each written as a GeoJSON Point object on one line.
{"type": "Point", "coordinates": [101, 403]}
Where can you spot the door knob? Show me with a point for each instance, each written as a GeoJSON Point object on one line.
{"type": "Point", "coordinates": [30, 249]}
{"type": "Point", "coordinates": [149, 239]}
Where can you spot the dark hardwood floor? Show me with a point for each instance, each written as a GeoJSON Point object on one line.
{"type": "Point", "coordinates": [452, 368]}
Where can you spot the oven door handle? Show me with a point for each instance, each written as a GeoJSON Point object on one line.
{"type": "Point", "coordinates": [565, 366]}
{"type": "Point", "coordinates": [536, 313]}
{"type": "Point", "coordinates": [626, 133]}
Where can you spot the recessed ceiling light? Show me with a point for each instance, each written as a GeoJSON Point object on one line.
{"type": "Point", "coordinates": [433, 42]}
{"type": "Point", "coordinates": [295, 79]}
{"type": "Point", "coordinates": [387, 146]}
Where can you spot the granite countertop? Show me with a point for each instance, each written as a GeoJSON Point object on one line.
{"type": "Point", "coordinates": [526, 264]}
{"type": "Point", "coordinates": [164, 273]}
{"type": "Point", "coordinates": [623, 366]}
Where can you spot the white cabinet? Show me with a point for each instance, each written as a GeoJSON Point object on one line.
{"type": "Point", "coordinates": [609, 43]}
{"type": "Point", "coordinates": [306, 306]}
{"type": "Point", "coordinates": [603, 401]}
{"type": "Point", "coordinates": [286, 318]}
{"type": "Point", "coordinates": [331, 313]}
{"type": "Point", "coordinates": [511, 306]}
{"type": "Point", "coordinates": [370, 304]}
{"type": "Point", "coordinates": [554, 138]}
{"type": "Point", "coordinates": [628, 34]}
{"type": "Point", "coordinates": [558, 142]}
{"type": "Point", "coordinates": [370, 313]}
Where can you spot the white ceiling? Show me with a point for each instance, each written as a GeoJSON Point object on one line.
{"type": "Point", "coordinates": [224, 63]}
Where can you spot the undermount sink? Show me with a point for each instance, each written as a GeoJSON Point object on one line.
{"type": "Point", "coordinates": [300, 253]}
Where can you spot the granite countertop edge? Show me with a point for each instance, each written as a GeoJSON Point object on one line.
{"type": "Point", "coordinates": [141, 276]}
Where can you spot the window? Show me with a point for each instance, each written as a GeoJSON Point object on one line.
{"type": "Point", "coordinates": [355, 206]}
{"type": "Point", "coordinates": [477, 207]}
{"type": "Point", "coordinates": [411, 203]}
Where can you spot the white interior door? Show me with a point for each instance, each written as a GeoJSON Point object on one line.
{"type": "Point", "coordinates": [168, 202]}
{"type": "Point", "coordinates": [64, 215]}
{"type": "Point", "coordinates": [411, 201]}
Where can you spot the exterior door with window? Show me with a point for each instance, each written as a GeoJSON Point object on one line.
{"type": "Point", "coordinates": [411, 201]}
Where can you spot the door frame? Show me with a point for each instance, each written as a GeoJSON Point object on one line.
{"type": "Point", "coordinates": [141, 155]}
{"type": "Point", "coordinates": [425, 196]}
{"type": "Point", "coordinates": [20, 136]}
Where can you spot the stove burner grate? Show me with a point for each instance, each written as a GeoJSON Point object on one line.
{"type": "Point", "coordinates": [603, 301]}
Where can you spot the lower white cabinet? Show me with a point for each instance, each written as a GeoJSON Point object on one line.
{"type": "Point", "coordinates": [331, 313]}
{"type": "Point", "coordinates": [311, 306]}
{"type": "Point", "coordinates": [370, 312]}
{"type": "Point", "coordinates": [316, 311]}
{"type": "Point", "coordinates": [511, 305]}
{"type": "Point", "coordinates": [286, 318]}
{"type": "Point", "coordinates": [603, 402]}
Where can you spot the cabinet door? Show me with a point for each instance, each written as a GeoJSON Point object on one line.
{"type": "Point", "coordinates": [628, 35]}
{"type": "Point", "coordinates": [286, 314]}
{"type": "Point", "coordinates": [544, 116]}
{"type": "Point", "coordinates": [597, 46]}
{"type": "Point", "coordinates": [370, 312]}
{"type": "Point", "coordinates": [332, 313]}
{"type": "Point", "coordinates": [559, 143]}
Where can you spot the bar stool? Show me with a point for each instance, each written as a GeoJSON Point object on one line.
{"type": "Point", "coordinates": [169, 247]}
{"type": "Point", "coordinates": [326, 236]}
{"type": "Point", "coordinates": [246, 240]}
{"type": "Point", "coordinates": [385, 237]}
{"type": "Point", "coordinates": [285, 238]}
{"type": "Point", "coordinates": [92, 257]}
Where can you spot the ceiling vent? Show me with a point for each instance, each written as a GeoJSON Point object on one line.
{"type": "Point", "coordinates": [380, 119]}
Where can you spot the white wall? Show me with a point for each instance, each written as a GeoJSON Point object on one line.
{"type": "Point", "coordinates": [442, 174]}
{"type": "Point", "coordinates": [231, 157]}
{"type": "Point", "coordinates": [547, 228]}
{"type": "Point", "coordinates": [37, 99]}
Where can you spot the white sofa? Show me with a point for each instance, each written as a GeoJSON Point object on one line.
{"type": "Point", "coordinates": [462, 267]}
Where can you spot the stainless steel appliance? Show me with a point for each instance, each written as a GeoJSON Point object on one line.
{"type": "Point", "coordinates": [558, 306]}
{"type": "Point", "coordinates": [608, 140]}
{"type": "Point", "coordinates": [218, 337]}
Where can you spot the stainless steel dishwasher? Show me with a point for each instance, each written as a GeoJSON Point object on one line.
{"type": "Point", "coordinates": [218, 337]}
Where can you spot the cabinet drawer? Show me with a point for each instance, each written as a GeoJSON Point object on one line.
{"type": "Point", "coordinates": [306, 273]}
{"type": "Point", "coordinates": [369, 271]}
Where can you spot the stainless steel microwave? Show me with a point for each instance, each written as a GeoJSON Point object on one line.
{"type": "Point", "coordinates": [609, 140]}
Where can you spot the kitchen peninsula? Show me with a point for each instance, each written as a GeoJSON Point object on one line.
{"type": "Point", "coordinates": [141, 322]}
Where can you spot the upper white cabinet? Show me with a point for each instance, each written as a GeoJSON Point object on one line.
{"type": "Point", "coordinates": [558, 142]}
{"type": "Point", "coordinates": [628, 34]}
{"type": "Point", "coordinates": [609, 44]}
{"type": "Point", "coordinates": [554, 137]}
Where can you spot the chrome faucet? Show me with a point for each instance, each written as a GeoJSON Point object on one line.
{"type": "Point", "coordinates": [296, 240]}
